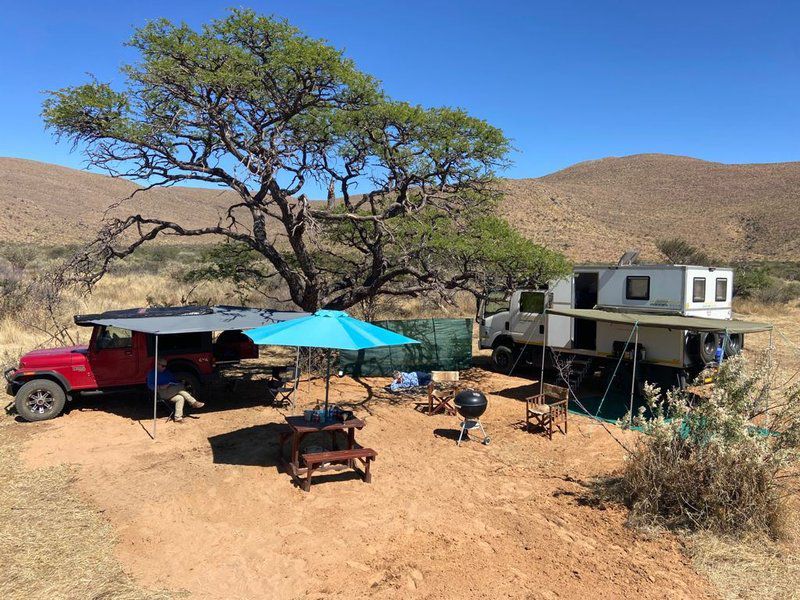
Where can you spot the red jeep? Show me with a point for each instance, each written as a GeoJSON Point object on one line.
{"type": "Point", "coordinates": [118, 359]}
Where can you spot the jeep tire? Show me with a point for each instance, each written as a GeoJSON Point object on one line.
{"type": "Point", "coordinates": [40, 400]}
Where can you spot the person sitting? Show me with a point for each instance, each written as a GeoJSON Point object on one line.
{"type": "Point", "coordinates": [172, 389]}
{"type": "Point", "coordinates": [401, 381]}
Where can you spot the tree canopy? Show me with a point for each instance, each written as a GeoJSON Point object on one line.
{"type": "Point", "coordinates": [250, 103]}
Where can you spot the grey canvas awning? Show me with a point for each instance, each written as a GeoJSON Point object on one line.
{"type": "Point", "coordinates": [662, 321]}
{"type": "Point", "coordinates": [164, 321]}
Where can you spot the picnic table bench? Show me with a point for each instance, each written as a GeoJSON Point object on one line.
{"type": "Point", "coordinates": [308, 463]}
{"type": "Point", "coordinates": [332, 459]}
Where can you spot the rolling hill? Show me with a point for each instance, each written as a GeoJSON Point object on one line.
{"type": "Point", "coordinates": [592, 211]}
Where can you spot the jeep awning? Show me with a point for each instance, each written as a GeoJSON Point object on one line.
{"type": "Point", "coordinates": [188, 319]}
{"type": "Point", "coordinates": [662, 321]}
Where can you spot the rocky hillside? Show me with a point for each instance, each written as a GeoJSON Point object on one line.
{"type": "Point", "coordinates": [592, 211]}
{"type": "Point", "coordinates": [596, 209]}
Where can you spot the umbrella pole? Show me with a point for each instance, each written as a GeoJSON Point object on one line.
{"type": "Point", "coordinates": [297, 376]}
{"type": "Point", "coordinates": [327, 381]}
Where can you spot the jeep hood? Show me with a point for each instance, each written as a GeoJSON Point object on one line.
{"type": "Point", "coordinates": [53, 357]}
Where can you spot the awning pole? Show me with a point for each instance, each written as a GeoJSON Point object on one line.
{"type": "Point", "coordinates": [155, 392]}
{"type": "Point", "coordinates": [635, 354]}
{"type": "Point", "coordinates": [769, 367]}
{"type": "Point", "coordinates": [544, 349]}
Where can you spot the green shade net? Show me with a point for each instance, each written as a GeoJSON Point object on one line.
{"type": "Point", "coordinates": [615, 406]}
{"type": "Point", "coordinates": [445, 345]}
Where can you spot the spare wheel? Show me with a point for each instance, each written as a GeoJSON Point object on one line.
{"type": "Point", "coordinates": [733, 344]}
{"type": "Point", "coordinates": [708, 342]}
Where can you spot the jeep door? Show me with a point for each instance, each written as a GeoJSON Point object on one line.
{"type": "Point", "coordinates": [113, 358]}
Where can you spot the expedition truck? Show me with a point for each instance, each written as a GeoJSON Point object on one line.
{"type": "Point", "coordinates": [118, 359]}
{"type": "Point", "coordinates": [513, 324]}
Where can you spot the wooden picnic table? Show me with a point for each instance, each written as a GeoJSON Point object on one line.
{"type": "Point", "coordinates": [299, 428]}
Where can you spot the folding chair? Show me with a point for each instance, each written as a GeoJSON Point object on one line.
{"type": "Point", "coordinates": [548, 410]}
{"type": "Point", "coordinates": [169, 406]}
{"type": "Point", "coordinates": [440, 396]}
{"type": "Point", "coordinates": [286, 389]}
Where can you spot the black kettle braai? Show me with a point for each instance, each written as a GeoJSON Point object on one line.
{"type": "Point", "coordinates": [471, 404]}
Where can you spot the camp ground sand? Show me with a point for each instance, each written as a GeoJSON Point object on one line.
{"type": "Point", "coordinates": [205, 509]}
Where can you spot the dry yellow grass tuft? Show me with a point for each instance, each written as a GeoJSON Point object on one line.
{"type": "Point", "coordinates": [754, 568]}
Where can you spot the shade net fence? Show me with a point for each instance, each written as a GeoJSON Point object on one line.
{"type": "Point", "coordinates": [445, 345]}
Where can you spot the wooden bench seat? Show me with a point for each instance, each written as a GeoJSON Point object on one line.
{"type": "Point", "coordinates": [314, 461]}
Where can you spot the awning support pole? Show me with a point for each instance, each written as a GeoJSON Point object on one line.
{"type": "Point", "coordinates": [633, 373]}
{"type": "Point", "coordinates": [155, 391]}
{"type": "Point", "coordinates": [544, 350]}
{"type": "Point", "coordinates": [769, 366]}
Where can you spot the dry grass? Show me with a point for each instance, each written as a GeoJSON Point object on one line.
{"type": "Point", "coordinates": [18, 332]}
{"type": "Point", "coordinates": [53, 545]}
{"type": "Point", "coordinates": [754, 568]}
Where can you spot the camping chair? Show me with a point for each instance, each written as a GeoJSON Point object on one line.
{"type": "Point", "coordinates": [287, 383]}
{"type": "Point", "coordinates": [548, 410]}
{"type": "Point", "coordinates": [440, 398]}
{"type": "Point", "coordinates": [147, 395]}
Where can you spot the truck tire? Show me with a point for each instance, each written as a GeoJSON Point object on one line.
{"type": "Point", "coordinates": [192, 384]}
{"type": "Point", "coordinates": [733, 344]}
{"type": "Point", "coordinates": [502, 359]}
{"type": "Point", "coordinates": [40, 400]}
{"type": "Point", "coordinates": [707, 344]}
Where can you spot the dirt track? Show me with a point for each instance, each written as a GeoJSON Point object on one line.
{"type": "Point", "coordinates": [206, 509]}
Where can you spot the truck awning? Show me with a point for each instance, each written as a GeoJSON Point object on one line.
{"type": "Point", "coordinates": [662, 321]}
{"type": "Point", "coordinates": [188, 319]}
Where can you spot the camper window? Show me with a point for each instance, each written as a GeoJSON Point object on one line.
{"type": "Point", "coordinates": [721, 294]}
{"type": "Point", "coordinates": [637, 287]}
{"type": "Point", "coordinates": [531, 302]}
{"type": "Point", "coordinates": [699, 289]}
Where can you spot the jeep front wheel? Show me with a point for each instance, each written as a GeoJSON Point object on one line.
{"type": "Point", "coordinates": [39, 400]}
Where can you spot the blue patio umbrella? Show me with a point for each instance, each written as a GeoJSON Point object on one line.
{"type": "Point", "coordinates": [329, 329]}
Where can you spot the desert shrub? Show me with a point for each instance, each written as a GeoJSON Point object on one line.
{"type": "Point", "coordinates": [681, 252]}
{"type": "Point", "coordinates": [750, 280]}
{"type": "Point", "coordinates": [777, 292]}
{"type": "Point", "coordinates": [704, 465]}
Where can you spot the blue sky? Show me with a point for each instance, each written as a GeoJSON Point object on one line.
{"type": "Point", "coordinates": [567, 81]}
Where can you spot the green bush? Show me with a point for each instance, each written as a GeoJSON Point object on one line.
{"type": "Point", "coordinates": [681, 252]}
{"type": "Point", "coordinates": [748, 281]}
{"type": "Point", "coordinates": [704, 465]}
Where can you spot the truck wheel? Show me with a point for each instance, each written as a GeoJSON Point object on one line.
{"type": "Point", "coordinates": [39, 400]}
{"type": "Point", "coordinates": [733, 345]}
{"type": "Point", "coordinates": [707, 346]}
{"type": "Point", "coordinates": [502, 359]}
{"type": "Point", "coordinates": [192, 383]}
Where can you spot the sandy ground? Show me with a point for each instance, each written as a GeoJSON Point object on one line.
{"type": "Point", "coordinates": [206, 509]}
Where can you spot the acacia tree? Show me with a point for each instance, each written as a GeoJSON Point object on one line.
{"type": "Point", "coordinates": [250, 103]}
